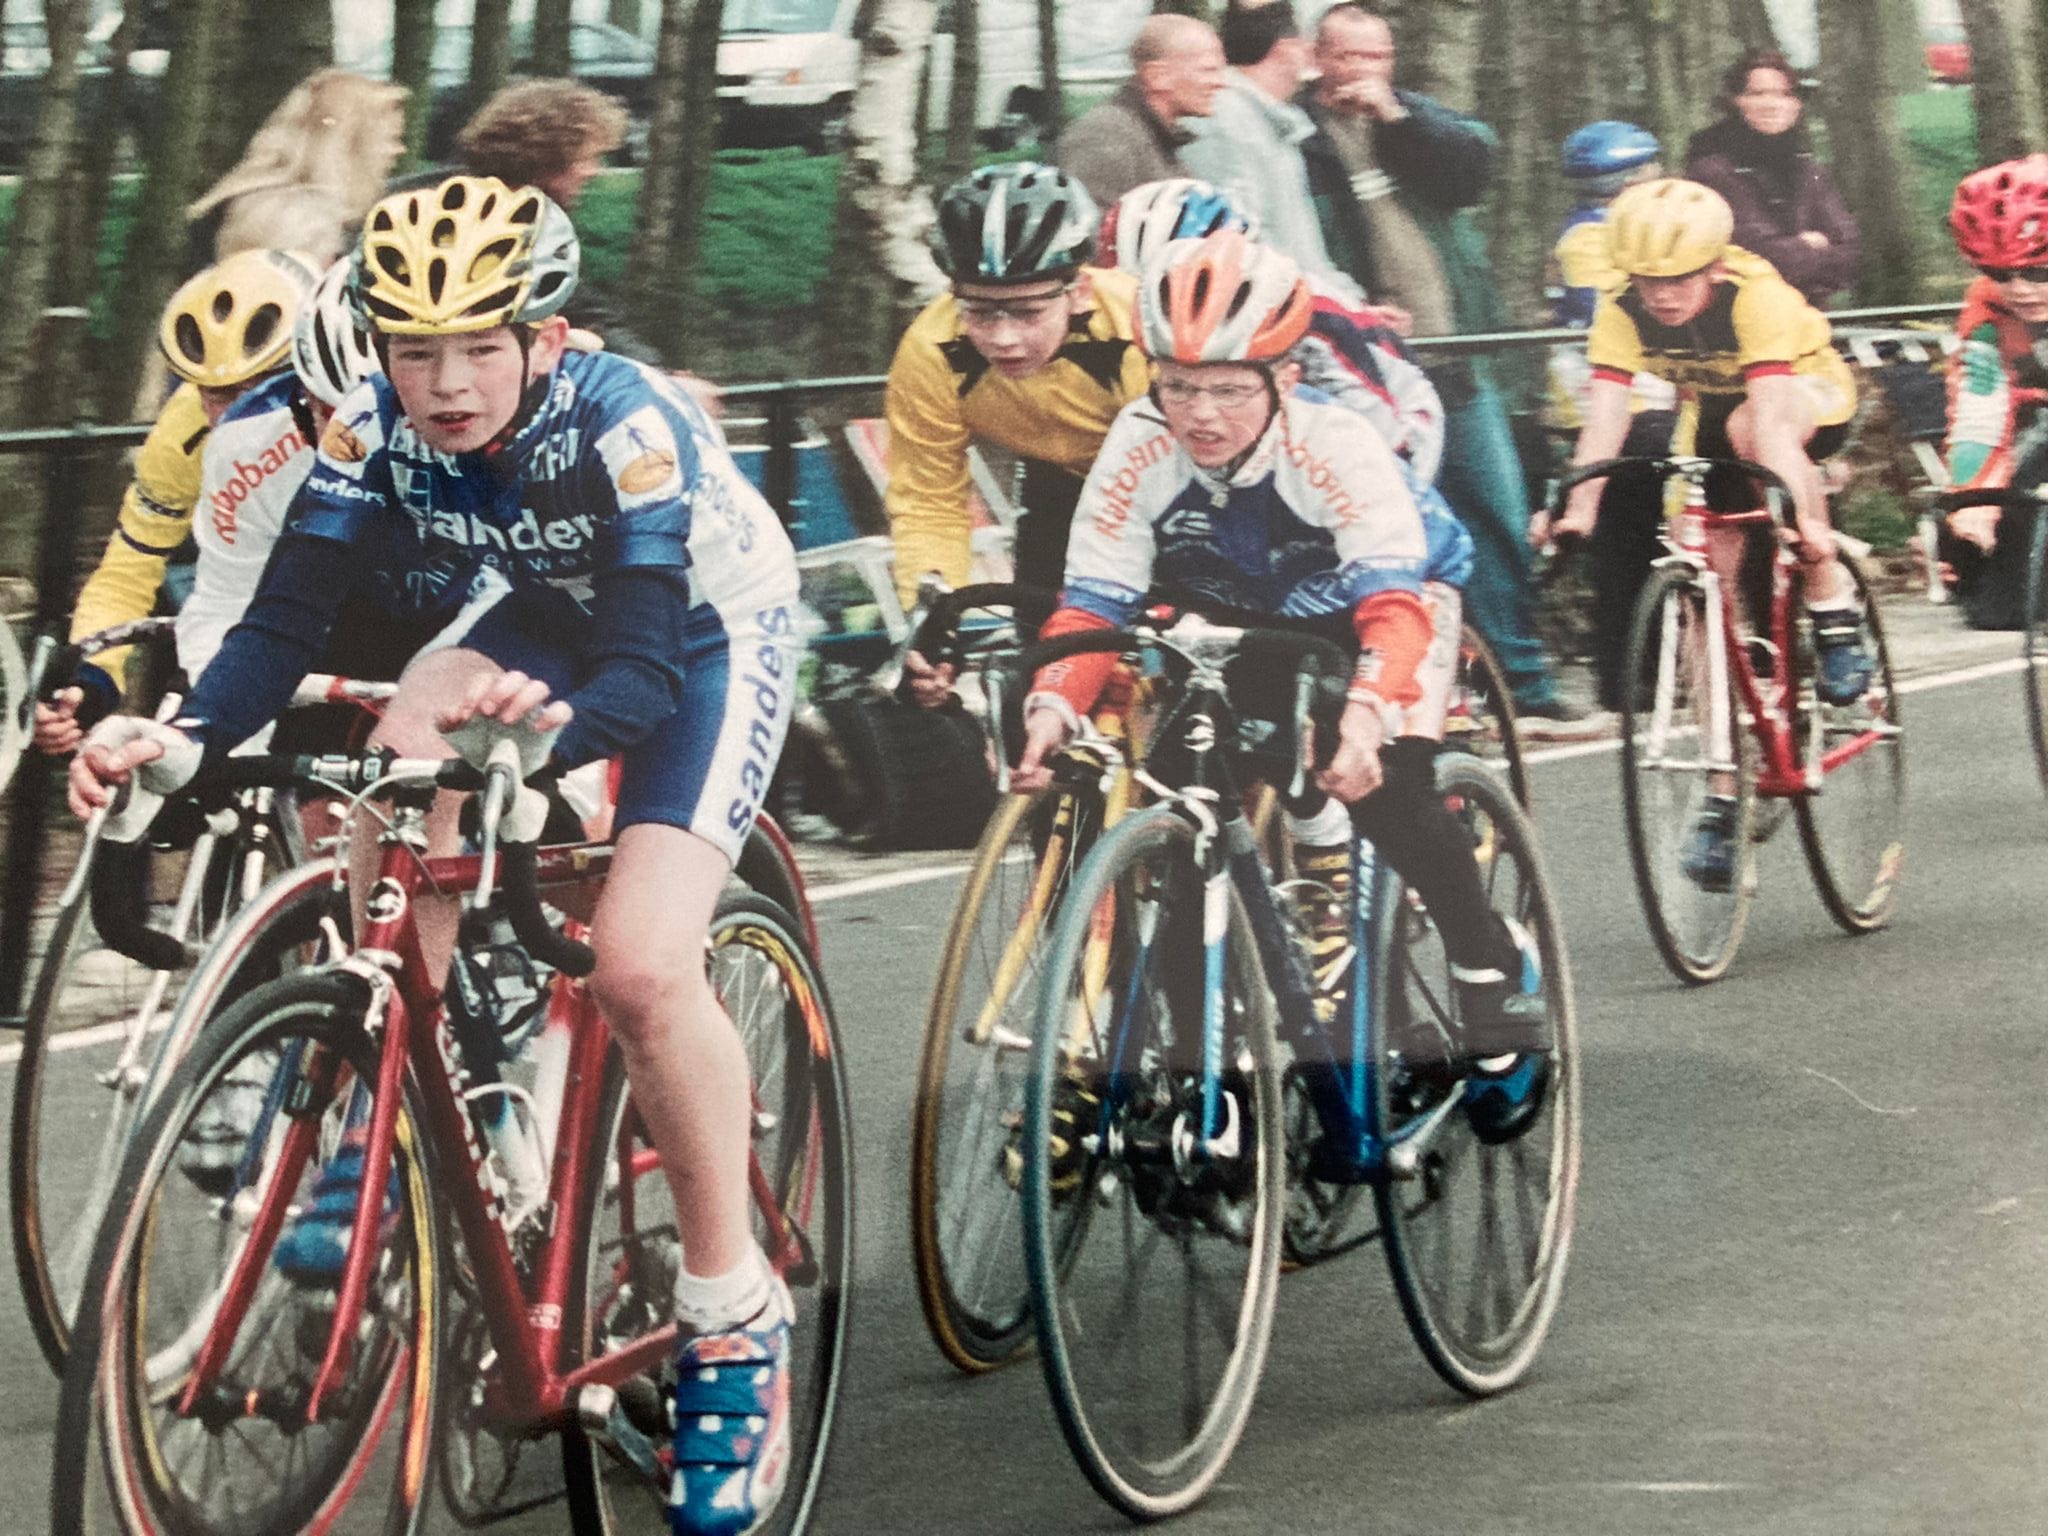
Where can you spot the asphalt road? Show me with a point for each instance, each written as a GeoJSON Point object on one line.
{"type": "Point", "coordinates": [1806, 1294]}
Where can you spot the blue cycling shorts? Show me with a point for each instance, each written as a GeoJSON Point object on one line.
{"type": "Point", "coordinates": [706, 767]}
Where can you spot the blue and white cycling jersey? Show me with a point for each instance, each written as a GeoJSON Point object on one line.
{"type": "Point", "coordinates": [1318, 518]}
{"type": "Point", "coordinates": [652, 578]}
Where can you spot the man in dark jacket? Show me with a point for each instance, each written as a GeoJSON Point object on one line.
{"type": "Point", "coordinates": [1135, 136]}
{"type": "Point", "coordinates": [1392, 173]}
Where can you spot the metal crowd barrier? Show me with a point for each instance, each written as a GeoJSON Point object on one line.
{"type": "Point", "coordinates": [67, 450]}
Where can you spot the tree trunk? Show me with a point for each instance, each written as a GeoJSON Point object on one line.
{"type": "Point", "coordinates": [92, 181]}
{"type": "Point", "coordinates": [490, 50]}
{"type": "Point", "coordinates": [1902, 51]}
{"type": "Point", "coordinates": [34, 258]}
{"type": "Point", "coordinates": [675, 184]}
{"type": "Point", "coordinates": [155, 257]}
{"type": "Point", "coordinates": [1201, 10]}
{"type": "Point", "coordinates": [551, 37]}
{"type": "Point", "coordinates": [626, 15]}
{"type": "Point", "coordinates": [265, 48]}
{"type": "Point", "coordinates": [412, 59]}
{"type": "Point", "coordinates": [1994, 87]}
{"type": "Point", "coordinates": [1869, 150]}
{"type": "Point", "coordinates": [1415, 24]}
{"type": "Point", "coordinates": [1664, 104]}
{"type": "Point", "coordinates": [881, 269]}
{"type": "Point", "coordinates": [1750, 24]}
{"type": "Point", "coordinates": [966, 89]}
{"type": "Point", "coordinates": [1053, 112]}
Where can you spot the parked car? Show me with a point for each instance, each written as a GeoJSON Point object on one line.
{"type": "Point", "coordinates": [614, 60]}
{"type": "Point", "coordinates": [1948, 54]}
{"type": "Point", "coordinates": [787, 68]}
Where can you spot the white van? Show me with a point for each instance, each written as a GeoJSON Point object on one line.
{"type": "Point", "coordinates": [786, 68]}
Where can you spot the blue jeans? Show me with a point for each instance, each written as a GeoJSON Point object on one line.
{"type": "Point", "coordinates": [1482, 480]}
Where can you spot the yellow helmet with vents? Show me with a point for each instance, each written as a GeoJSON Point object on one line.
{"type": "Point", "coordinates": [233, 322]}
{"type": "Point", "coordinates": [1668, 228]}
{"type": "Point", "coordinates": [466, 255]}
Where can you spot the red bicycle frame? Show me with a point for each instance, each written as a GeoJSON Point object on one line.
{"type": "Point", "coordinates": [523, 1312]}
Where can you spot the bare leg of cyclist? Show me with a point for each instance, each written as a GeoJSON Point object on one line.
{"type": "Point", "coordinates": [1776, 438]}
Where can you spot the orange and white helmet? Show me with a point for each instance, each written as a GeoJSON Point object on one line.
{"type": "Point", "coordinates": [1222, 299]}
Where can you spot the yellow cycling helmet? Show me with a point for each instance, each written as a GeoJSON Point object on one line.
{"type": "Point", "coordinates": [233, 322]}
{"type": "Point", "coordinates": [466, 255]}
{"type": "Point", "coordinates": [1668, 227]}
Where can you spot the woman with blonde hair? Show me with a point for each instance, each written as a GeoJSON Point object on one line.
{"type": "Point", "coordinates": [311, 171]}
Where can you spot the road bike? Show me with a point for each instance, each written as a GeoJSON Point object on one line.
{"type": "Point", "coordinates": [1722, 717]}
{"type": "Point", "coordinates": [212, 1387]}
{"type": "Point", "coordinates": [1182, 1078]}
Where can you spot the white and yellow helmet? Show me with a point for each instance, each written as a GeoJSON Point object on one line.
{"type": "Point", "coordinates": [467, 255]}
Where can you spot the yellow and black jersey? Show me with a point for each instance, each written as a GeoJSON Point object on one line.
{"type": "Point", "coordinates": [1755, 326]}
{"type": "Point", "coordinates": [943, 396]}
{"type": "Point", "coordinates": [155, 523]}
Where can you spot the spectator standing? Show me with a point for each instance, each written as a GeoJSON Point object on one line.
{"type": "Point", "coordinates": [1136, 135]}
{"type": "Point", "coordinates": [1394, 173]}
{"type": "Point", "coordinates": [1250, 145]}
{"type": "Point", "coordinates": [1788, 209]}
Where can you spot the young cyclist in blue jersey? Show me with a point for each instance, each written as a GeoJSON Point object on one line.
{"type": "Point", "coordinates": [1234, 485]}
{"type": "Point", "coordinates": [650, 617]}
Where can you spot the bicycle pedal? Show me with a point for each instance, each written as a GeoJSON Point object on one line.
{"type": "Point", "coordinates": [605, 1419]}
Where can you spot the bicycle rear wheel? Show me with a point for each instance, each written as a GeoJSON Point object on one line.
{"type": "Point", "coordinates": [2034, 647]}
{"type": "Point", "coordinates": [14, 730]}
{"type": "Point", "coordinates": [188, 1402]}
{"type": "Point", "coordinates": [770, 987]}
{"type": "Point", "coordinates": [964, 1134]}
{"type": "Point", "coordinates": [1154, 1262]}
{"type": "Point", "coordinates": [1667, 776]}
{"type": "Point", "coordinates": [1853, 828]}
{"type": "Point", "coordinates": [1476, 1209]}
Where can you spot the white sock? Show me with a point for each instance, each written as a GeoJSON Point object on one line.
{"type": "Point", "coordinates": [718, 1302]}
{"type": "Point", "coordinates": [1328, 828]}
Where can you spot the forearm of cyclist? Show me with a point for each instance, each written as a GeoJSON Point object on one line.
{"type": "Point", "coordinates": [1601, 437]}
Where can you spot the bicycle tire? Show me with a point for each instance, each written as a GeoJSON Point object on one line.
{"type": "Point", "coordinates": [1481, 693]}
{"type": "Point", "coordinates": [51, 1250]}
{"type": "Point", "coordinates": [1697, 932]}
{"type": "Point", "coordinates": [1059, 1223]}
{"type": "Point", "coordinates": [1480, 1339]}
{"type": "Point", "coordinates": [115, 1466]}
{"type": "Point", "coordinates": [955, 1232]}
{"type": "Point", "coordinates": [809, 1163]}
{"type": "Point", "coordinates": [1859, 886]}
{"type": "Point", "coordinates": [14, 729]}
{"type": "Point", "coordinates": [2034, 647]}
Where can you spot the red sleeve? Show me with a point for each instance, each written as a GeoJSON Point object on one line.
{"type": "Point", "coordinates": [1614, 375]}
{"type": "Point", "coordinates": [1077, 679]}
{"type": "Point", "coordinates": [1394, 633]}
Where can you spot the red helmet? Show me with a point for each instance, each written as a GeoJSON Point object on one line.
{"type": "Point", "coordinates": [2000, 214]}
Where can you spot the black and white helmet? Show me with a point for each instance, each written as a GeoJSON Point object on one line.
{"type": "Point", "coordinates": [1014, 224]}
{"type": "Point", "coordinates": [331, 352]}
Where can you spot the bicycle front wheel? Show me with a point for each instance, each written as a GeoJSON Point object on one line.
{"type": "Point", "coordinates": [965, 1145]}
{"type": "Point", "coordinates": [1154, 1173]}
{"type": "Point", "coordinates": [1481, 1188]}
{"type": "Point", "coordinates": [1853, 827]}
{"type": "Point", "coordinates": [2034, 646]}
{"type": "Point", "coordinates": [1481, 720]}
{"type": "Point", "coordinates": [14, 727]}
{"type": "Point", "coordinates": [1687, 763]}
{"type": "Point", "coordinates": [189, 1400]}
{"type": "Point", "coordinates": [803, 1198]}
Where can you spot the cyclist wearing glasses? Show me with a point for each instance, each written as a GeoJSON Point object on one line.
{"type": "Point", "coordinates": [1030, 351]}
{"type": "Point", "coordinates": [1232, 483]}
{"type": "Point", "coordinates": [1351, 353]}
{"type": "Point", "coordinates": [650, 617]}
{"type": "Point", "coordinates": [2000, 221]}
{"type": "Point", "coordinates": [223, 333]}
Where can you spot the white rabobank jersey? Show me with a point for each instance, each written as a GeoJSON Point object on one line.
{"type": "Point", "coordinates": [254, 464]}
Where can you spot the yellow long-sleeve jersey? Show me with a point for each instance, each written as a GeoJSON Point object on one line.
{"type": "Point", "coordinates": [155, 522]}
{"type": "Point", "coordinates": [943, 395]}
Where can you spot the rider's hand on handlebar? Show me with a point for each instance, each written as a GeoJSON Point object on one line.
{"type": "Point", "coordinates": [931, 686]}
{"type": "Point", "coordinates": [57, 730]}
{"type": "Point", "coordinates": [510, 698]}
{"type": "Point", "coordinates": [1581, 511]}
{"type": "Point", "coordinates": [1977, 525]}
{"type": "Point", "coordinates": [127, 745]}
{"type": "Point", "coordinates": [1354, 770]}
{"type": "Point", "coordinates": [1045, 733]}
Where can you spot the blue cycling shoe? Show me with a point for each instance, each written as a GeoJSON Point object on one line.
{"type": "Point", "coordinates": [314, 1247]}
{"type": "Point", "coordinates": [730, 1412]}
{"type": "Point", "coordinates": [1846, 664]}
{"type": "Point", "coordinates": [1709, 857]}
{"type": "Point", "coordinates": [1505, 1094]}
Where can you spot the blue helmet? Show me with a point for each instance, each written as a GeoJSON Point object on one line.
{"type": "Point", "coordinates": [1600, 158]}
{"type": "Point", "coordinates": [1146, 219]}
